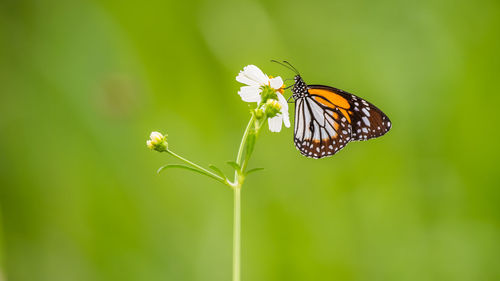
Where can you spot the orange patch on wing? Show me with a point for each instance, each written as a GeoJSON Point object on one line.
{"type": "Point", "coordinates": [333, 98]}
{"type": "Point", "coordinates": [345, 114]}
{"type": "Point", "coordinates": [324, 102]}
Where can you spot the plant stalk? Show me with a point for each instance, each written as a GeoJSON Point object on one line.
{"type": "Point", "coordinates": [237, 234]}
{"type": "Point", "coordinates": [242, 145]}
{"type": "Point", "coordinates": [239, 177]}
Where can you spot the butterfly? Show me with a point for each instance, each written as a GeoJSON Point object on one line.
{"type": "Point", "coordinates": [327, 118]}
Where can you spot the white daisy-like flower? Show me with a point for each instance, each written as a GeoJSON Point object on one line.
{"type": "Point", "coordinates": [256, 80]}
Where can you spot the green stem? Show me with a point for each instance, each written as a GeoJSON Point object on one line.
{"type": "Point", "coordinates": [207, 172]}
{"type": "Point", "coordinates": [239, 177]}
{"type": "Point", "coordinates": [237, 234]}
{"type": "Point", "coordinates": [242, 144]}
{"type": "Point", "coordinates": [244, 163]}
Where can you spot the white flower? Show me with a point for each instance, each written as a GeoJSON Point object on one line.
{"type": "Point", "coordinates": [252, 76]}
{"type": "Point", "coordinates": [256, 80]}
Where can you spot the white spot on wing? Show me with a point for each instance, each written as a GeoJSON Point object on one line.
{"type": "Point", "coordinates": [366, 121]}
{"type": "Point", "coordinates": [365, 111]}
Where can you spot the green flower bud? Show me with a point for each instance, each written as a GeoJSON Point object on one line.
{"type": "Point", "coordinates": [157, 142]}
{"type": "Point", "coordinates": [273, 107]}
{"type": "Point", "coordinates": [259, 113]}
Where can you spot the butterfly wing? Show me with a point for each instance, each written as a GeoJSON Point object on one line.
{"type": "Point", "coordinates": [320, 130]}
{"type": "Point", "coordinates": [367, 121]}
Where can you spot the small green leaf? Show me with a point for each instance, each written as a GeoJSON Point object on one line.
{"type": "Point", "coordinates": [234, 165]}
{"type": "Point", "coordinates": [217, 171]}
{"type": "Point", "coordinates": [190, 169]}
{"type": "Point", "coordinates": [254, 170]}
{"type": "Point", "coordinates": [178, 166]}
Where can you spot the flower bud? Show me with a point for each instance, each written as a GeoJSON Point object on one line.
{"type": "Point", "coordinates": [157, 142]}
{"type": "Point", "coordinates": [259, 113]}
{"type": "Point", "coordinates": [156, 136]}
{"type": "Point", "coordinates": [273, 107]}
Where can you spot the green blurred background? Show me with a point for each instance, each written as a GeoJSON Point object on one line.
{"type": "Point", "coordinates": [83, 83]}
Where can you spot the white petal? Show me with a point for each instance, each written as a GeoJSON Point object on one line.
{"type": "Point", "coordinates": [275, 123]}
{"type": "Point", "coordinates": [284, 109]}
{"type": "Point", "coordinates": [252, 75]}
{"type": "Point", "coordinates": [245, 80]}
{"type": "Point", "coordinates": [286, 120]}
{"type": "Point", "coordinates": [283, 102]}
{"type": "Point", "coordinates": [276, 82]}
{"type": "Point", "coordinates": [250, 93]}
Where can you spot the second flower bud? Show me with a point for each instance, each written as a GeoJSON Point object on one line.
{"type": "Point", "coordinates": [273, 107]}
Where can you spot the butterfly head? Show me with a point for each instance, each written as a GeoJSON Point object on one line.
{"type": "Point", "coordinates": [299, 89]}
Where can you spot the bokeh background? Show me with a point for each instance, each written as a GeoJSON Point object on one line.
{"type": "Point", "coordinates": [83, 83]}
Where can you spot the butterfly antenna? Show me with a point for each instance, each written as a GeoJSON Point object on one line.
{"type": "Point", "coordinates": [294, 69]}
{"type": "Point", "coordinates": [287, 66]}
